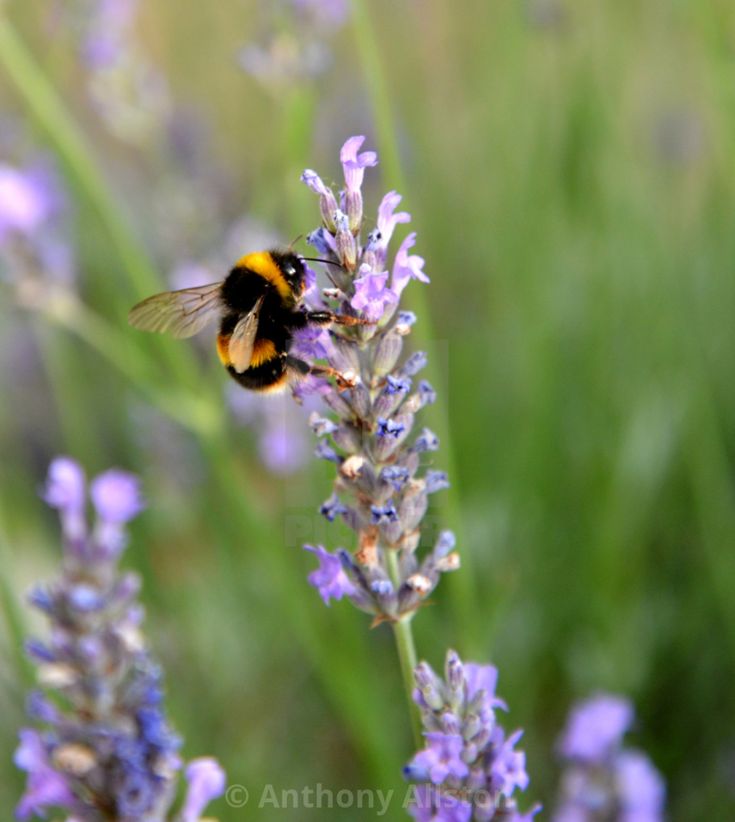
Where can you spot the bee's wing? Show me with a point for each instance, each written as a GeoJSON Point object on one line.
{"type": "Point", "coordinates": [181, 313]}
{"type": "Point", "coordinates": [242, 340]}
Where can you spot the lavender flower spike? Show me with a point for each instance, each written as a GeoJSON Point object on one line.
{"type": "Point", "coordinates": [469, 768]}
{"type": "Point", "coordinates": [381, 489]}
{"type": "Point", "coordinates": [603, 780]}
{"type": "Point", "coordinates": [106, 750]}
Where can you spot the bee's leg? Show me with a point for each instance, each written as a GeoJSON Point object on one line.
{"type": "Point", "coordinates": [329, 317]}
{"type": "Point", "coordinates": [301, 368]}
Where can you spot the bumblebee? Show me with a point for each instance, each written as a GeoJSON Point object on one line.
{"type": "Point", "coordinates": [259, 306]}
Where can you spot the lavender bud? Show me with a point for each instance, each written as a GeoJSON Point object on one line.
{"type": "Point", "coordinates": [348, 438]}
{"type": "Point", "coordinates": [450, 723]}
{"type": "Point", "coordinates": [404, 321]}
{"type": "Point", "coordinates": [360, 401]}
{"type": "Point", "coordinates": [389, 428]}
{"type": "Point", "coordinates": [427, 393]}
{"type": "Point", "coordinates": [353, 206]}
{"type": "Point", "coordinates": [332, 507]}
{"type": "Point", "coordinates": [40, 597]}
{"type": "Point", "coordinates": [321, 426]}
{"type": "Point", "coordinates": [444, 544]}
{"type": "Point", "coordinates": [389, 441]}
{"type": "Point", "coordinates": [455, 677]}
{"type": "Point", "coordinates": [344, 356]}
{"type": "Point", "coordinates": [381, 587]}
{"type": "Point", "coordinates": [429, 685]}
{"type": "Point", "coordinates": [413, 506]}
{"type": "Point", "coordinates": [396, 475]}
{"type": "Point", "coordinates": [345, 241]}
{"type": "Point", "coordinates": [383, 513]}
{"type": "Point", "coordinates": [85, 598]}
{"type": "Point", "coordinates": [436, 481]}
{"type": "Point", "coordinates": [386, 353]}
{"type": "Point", "coordinates": [322, 242]}
{"type": "Point", "coordinates": [415, 363]}
{"type": "Point", "coordinates": [426, 441]}
{"type": "Point", "coordinates": [325, 452]}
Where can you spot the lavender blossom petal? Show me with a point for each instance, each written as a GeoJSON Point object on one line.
{"type": "Point", "coordinates": [206, 782]}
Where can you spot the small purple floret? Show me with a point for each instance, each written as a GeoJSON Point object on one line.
{"type": "Point", "coordinates": [329, 579]}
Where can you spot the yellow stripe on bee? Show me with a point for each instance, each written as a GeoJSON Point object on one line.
{"type": "Point", "coordinates": [263, 350]}
{"type": "Point", "coordinates": [261, 262]}
{"type": "Point", "coordinates": [223, 348]}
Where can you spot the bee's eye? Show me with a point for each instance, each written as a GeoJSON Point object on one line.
{"type": "Point", "coordinates": [289, 270]}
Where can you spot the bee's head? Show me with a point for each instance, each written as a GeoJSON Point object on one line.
{"type": "Point", "coordinates": [293, 269]}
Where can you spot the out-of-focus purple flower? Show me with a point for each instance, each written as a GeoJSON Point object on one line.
{"type": "Point", "coordinates": [283, 446]}
{"type": "Point", "coordinates": [116, 496]}
{"type": "Point", "coordinates": [371, 296]}
{"type": "Point", "coordinates": [105, 41]}
{"type": "Point", "coordinates": [596, 727]}
{"type": "Point", "coordinates": [25, 202]}
{"type": "Point", "coordinates": [65, 486]}
{"type": "Point", "coordinates": [65, 490]}
{"type": "Point", "coordinates": [327, 14]}
{"type": "Point", "coordinates": [45, 787]}
{"type": "Point", "coordinates": [439, 760]}
{"type": "Point", "coordinates": [431, 805]}
{"type": "Point", "coordinates": [206, 782]}
{"type": "Point", "coordinates": [190, 274]}
{"type": "Point", "coordinates": [641, 787]}
{"type": "Point", "coordinates": [108, 744]}
{"type": "Point", "coordinates": [602, 779]}
{"type": "Point", "coordinates": [35, 246]}
{"type": "Point", "coordinates": [329, 579]}
{"type": "Point", "coordinates": [468, 755]}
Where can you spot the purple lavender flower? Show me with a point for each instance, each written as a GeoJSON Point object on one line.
{"type": "Point", "coordinates": [283, 445]}
{"type": "Point", "coordinates": [329, 579]}
{"type": "Point", "coordinates": [46, 787]}
{"type": "Point", "coordinates": [25, 201]}
{"type": "Point", "coordinates": [34, 237]}
{"type": "Point", "coordinates": [596, 727]}
{"type": "Point", "coordinates": [381, 489]}
{"type": "Point", "coordinates": [371, 295]}
{"type": "Point", "coordinates": [407, 266]}
{"type": "Point", "coordinates": [206, 782]}
{"type": "Point", "coordinates": [468, 761]}
{"type": "Point", "coordinates": [328, 14]}
{"type": "Point", "coordinates": [431, 805]}
{"type": "Point", "coordinates": [603, 780]}
{"type": "Point", "coordinates": [439, 760]}
{"type": "Point", "coordinates": [109, 752]}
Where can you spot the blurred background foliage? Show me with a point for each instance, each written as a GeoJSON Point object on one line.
{"type": "Point", "coordinates": [569, 167]}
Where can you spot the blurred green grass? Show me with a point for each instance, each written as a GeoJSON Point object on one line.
{"type": "Point", "coordinates": [571, 180]}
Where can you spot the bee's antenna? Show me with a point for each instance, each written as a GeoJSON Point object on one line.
{"type": "Point", "coordinates": [319, 260]}
{"type": "Point", "coordinates": [326, 262]}
{"type": "Point", "coordinates": [294, 241]}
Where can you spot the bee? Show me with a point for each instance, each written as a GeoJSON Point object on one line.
{"type": "Point", "coordinates": [259, 306]}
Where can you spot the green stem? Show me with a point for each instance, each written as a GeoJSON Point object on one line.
{"type": "Point", "coordinates": [403, 635]}
{"type": "Point", "coordinates": [461, 586]}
